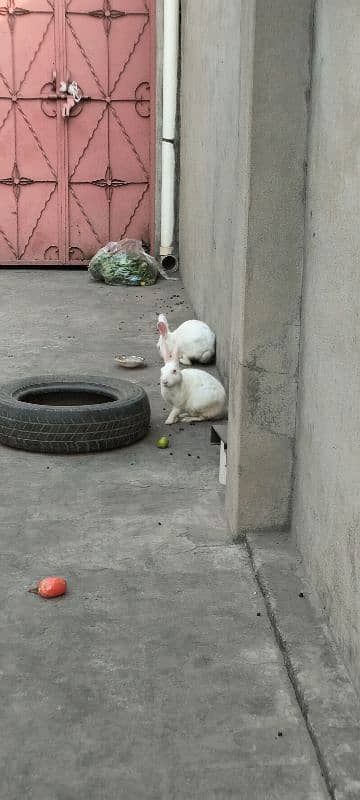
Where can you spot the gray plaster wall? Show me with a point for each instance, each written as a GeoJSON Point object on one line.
{"type": "Point", "coordinates": [268, 277]}
{"type": "Point", "coordinates": [209, 184]}
{"type": "Point", "coordinates": [244, 89]}
{"type": "Point", "coordinates": [327, 497]}
{"type": "Point", "coordinates": [265, 192]}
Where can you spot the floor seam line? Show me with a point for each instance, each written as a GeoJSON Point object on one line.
{"type": "Point", "coordinates": [325, 771]}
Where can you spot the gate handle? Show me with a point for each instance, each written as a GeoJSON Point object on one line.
{"type": "Point", "coordinates": [71, 89]}
{"type": "Point", "coordinates": [74, 91]}
{"type": "Point", "coordinates": [74, 96]}
{"type": "Point", "coordinates": [67, 105]}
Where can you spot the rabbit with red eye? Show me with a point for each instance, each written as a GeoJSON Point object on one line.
{"type": "Point", "coordinates": [194, 340]}
{"type": "Point", "coordinates": [193, 394]}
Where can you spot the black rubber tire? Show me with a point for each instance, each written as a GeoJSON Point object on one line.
{"type": "Point", "coordinates": [73, 429]}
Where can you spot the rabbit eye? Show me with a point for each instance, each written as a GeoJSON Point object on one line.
{"type": "Point", "coordinates": [174, 371]}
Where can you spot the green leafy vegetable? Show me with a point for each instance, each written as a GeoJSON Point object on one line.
{"type": "Point", "coordinates": [124, 263]}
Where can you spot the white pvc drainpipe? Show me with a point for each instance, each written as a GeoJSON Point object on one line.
{"type": "Point", "coordinates": [170, 81]}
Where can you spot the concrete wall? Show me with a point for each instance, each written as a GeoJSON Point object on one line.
{"type": "Point", "coordinates": [265, 340]}
{"type": "Point", "coordinates": [244, 115]}
{"type": "Point", "coordinates": [209, 184]}
{"type": "Point", "coordinates": [327, 491]}
{"type": "Point", "coordinates": [245, 79]}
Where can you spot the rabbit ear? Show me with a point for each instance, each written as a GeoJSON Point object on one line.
{"type": "Point", "coordinates": [165, 352]}
{"type": "Point", "coordinates": [162, 325]}
{"type": "Point", "coordinates": [162, 328]}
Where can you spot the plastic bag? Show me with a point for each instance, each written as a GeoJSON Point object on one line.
{"type": "Point", "coordinates": [125, 263]}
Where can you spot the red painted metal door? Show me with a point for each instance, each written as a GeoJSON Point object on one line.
{"type": "Point", "coordinates": [70, 184]}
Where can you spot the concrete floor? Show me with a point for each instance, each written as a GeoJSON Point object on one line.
{"type": "Point", "coordinates": [157, 677]}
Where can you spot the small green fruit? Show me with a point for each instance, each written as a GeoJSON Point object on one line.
{"type": "Point", "coordinates": [163, 442]}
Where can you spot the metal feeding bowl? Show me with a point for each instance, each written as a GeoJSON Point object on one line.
{"type": "Point", "coordinates": [130, 362]}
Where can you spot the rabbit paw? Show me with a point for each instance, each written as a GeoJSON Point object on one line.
{"type": "Point", "coordinates": [206, 357]}
{"type": "Point", "coordinates": [173, 417]}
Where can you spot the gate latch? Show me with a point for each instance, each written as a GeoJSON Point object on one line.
{"type": "Point", "coordinates": [74, 96]}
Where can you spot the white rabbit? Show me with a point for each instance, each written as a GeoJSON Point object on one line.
{"type": "Point", "coordinates": [194, 340]}
{"type": "Point", "coordinates": [194, 395]}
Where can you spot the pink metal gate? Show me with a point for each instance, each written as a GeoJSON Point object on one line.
{"type": "Point", "coordinates": [69, 184]}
